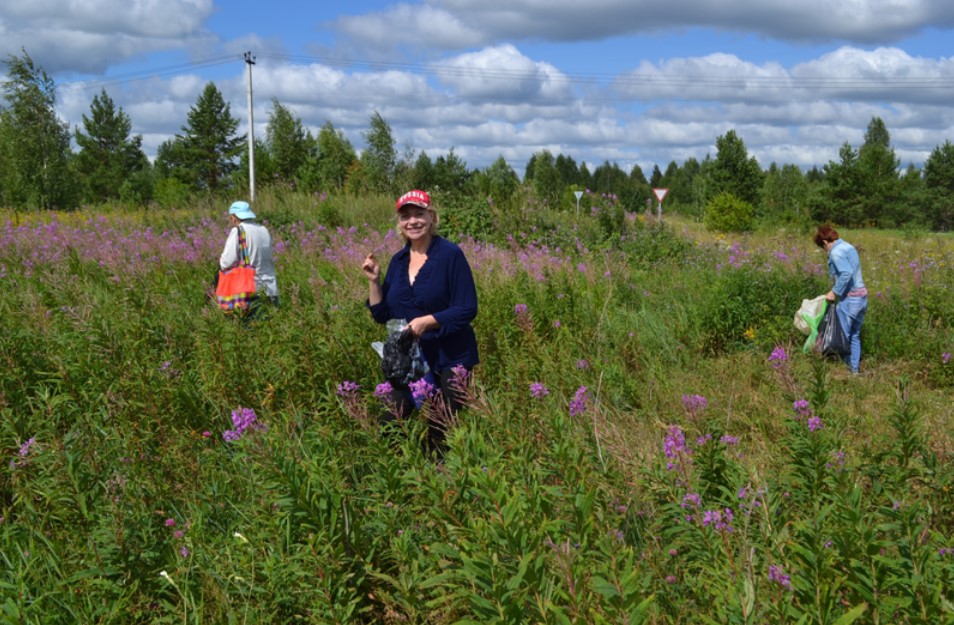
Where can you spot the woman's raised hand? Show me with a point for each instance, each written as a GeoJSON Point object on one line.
{"type": "Point", "coordinates": [371, 268]}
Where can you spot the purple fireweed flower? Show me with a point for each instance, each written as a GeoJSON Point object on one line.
{"type": "Point", "coordinates": [421, 389]}
{"type": "Point", "coordinates": [778, 357]}
{"type": "Point", "coordinates": [777, 575]}
{"type": "Point", "coordinates": [520, 309]}
{"type": "Point", "coordinates": [582, 363]}
{"type": "Point", "coordinates": [729, 440]}
{"type": "Point", "coordinates": [802, 408]}
{"type": "Point", "coordinates": [347, 388]}
{"type": "Point", "coordinates": [538, 390]}
{"type": "Point", "coordinates": [720, 520]}
{"type": "Point", "coordinates": [946, 357]}
{"type": "Point", "coordinates": [460, 375]}
{"type": "Point", "coordinates": [383, 390]}
{"type": "Point", "coordinates": [815, 423]}
{"type": "Point", "coordinates": [578, 403]}
{"type": "Point", "coordinates": [837, 459]}
{"type": "Point", "coordinates": [24, 450]}
{"type": "Point", "coordinates": [694, 404]}
{"type": "Point", "coordinates": [242, 419]}
{"type": "Point", "coordinates": [675, 446]}
{"type": "Point", "coordinates": [693, 500]}
{"type": "Point", "coordinates": [556, 323]}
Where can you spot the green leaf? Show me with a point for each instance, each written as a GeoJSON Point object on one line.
{"type": "Point", "coordinates": [851, 615]}
{"type": "Point", "coordinates": [638, 614]}
{"type": "Point", "coordinates": [604, 587]}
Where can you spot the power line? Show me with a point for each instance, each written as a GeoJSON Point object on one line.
{"type": "Point", "coordinates": [621, 82]}
{"type": "Point", "coordinates": [146, 74]}
{"type": "Point", "coordinates": [631, 78]}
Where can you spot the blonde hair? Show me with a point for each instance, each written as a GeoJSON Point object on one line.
{"type": "Point", "coordinates": [435, 221]}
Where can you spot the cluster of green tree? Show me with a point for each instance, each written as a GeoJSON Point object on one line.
{"type": "Point", "coordinates": [39, 169]}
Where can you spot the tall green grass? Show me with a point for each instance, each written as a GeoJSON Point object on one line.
{"type": "Point", "coordinates": [603, 499]}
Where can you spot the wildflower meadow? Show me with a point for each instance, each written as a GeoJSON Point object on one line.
{"type": "Point", "coordinates": [644, 441]}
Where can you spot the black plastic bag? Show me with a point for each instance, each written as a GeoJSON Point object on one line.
{"type": "Point", "coordinates": [832, 340]}
{"type": "Point", "coordinates": [401, 359]}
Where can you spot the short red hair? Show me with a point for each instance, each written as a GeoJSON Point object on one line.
{"type": "Point", "coordinates": [825, 234]}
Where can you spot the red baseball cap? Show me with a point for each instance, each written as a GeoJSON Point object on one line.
{"type": "Point", "coordinates": [415, 198]}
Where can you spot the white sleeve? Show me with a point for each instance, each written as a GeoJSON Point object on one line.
{"type": "Point", "coordinates": [230, 257]}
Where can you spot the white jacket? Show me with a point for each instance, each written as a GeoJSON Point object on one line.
{"type": "Point", "coordinates": [259, 243]}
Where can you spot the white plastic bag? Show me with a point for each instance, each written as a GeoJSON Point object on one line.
{"type": "Point", "coordinates": [811, 309]}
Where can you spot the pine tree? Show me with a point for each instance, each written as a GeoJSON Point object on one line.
{"type": "Point", "coordinates": [841, 200]}
{"type": "Point", "coordinates": [423, 173]}
{"type": "Point", "coordinates": [108, 156]}
{"type": "Point", "coordinates": [939, 168]}
{"type": "Point", "coordinates": [204, 157]}
{"type": "Point", "coordinates": [939, 183]}
{"type": "Point", "coordinates": [656, 178]}
{"type": "Point", "coordinates": [34, 144]}
{"type": "Point", "coordinates": [287, 142]}
{"type": "Point", "coordinates": [568, 170]}
{"type": "Point", "coordinates": [336, 158]}
{"type": "Point", "coordinates": [546, 182]}
{"type": "Point", "coordinates": [450, 172]}
{"type": "Point", "coordinates": [879, 184]}
{"type": "Point", "coordinates": [733, 171]}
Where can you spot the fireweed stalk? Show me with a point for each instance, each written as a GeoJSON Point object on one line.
{"type": "Point", "coordinates": [678, 455]}
{"type": "Point", "coordinates": [434, 409]}
{"type": "Point", "coordinates": [347, 392]}
{"type": "Point", "coordinates": [578, 403]}
{"type": "Point", "coordinates": [780, 363]}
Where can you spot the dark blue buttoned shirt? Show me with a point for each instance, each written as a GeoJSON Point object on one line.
{"type": "Point", "coordinates": [444, 287]}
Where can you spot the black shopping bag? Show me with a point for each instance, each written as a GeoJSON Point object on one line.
{"type": "Point", "coordinates": [832, 340]}
{"type": "Point", "coordinates": [402, 361]}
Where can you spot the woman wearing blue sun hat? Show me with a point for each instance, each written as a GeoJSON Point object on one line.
{"type": "Point", "coordinates": [258, 241]}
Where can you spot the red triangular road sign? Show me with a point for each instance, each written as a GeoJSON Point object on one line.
{"type": "Point", "coordinates": [660, 193]}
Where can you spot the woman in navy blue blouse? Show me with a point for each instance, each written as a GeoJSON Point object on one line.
{"type": "Point", "coordinates": [429, 284]}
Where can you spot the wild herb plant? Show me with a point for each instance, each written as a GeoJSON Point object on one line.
{"type": "Point", "coordinates": [641, 443]}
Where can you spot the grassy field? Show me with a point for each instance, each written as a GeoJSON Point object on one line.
{"type": "Point", "coordinates": [645, 440]}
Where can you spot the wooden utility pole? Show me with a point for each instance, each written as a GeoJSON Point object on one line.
{"type": "Point", "coordinates": [250, 61]}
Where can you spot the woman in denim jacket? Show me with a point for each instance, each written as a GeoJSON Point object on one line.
{"type": "Point", "coordinates": [844, 266]}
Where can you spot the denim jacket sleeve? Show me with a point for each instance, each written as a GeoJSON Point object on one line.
{"type": "Point", "coordinates": [843, 264]}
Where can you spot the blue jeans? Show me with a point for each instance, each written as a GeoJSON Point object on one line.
{"type": "Point", "coordinates": [851, 314]}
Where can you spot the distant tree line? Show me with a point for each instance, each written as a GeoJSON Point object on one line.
{"type": "Point", "coordinates": [40, 170]}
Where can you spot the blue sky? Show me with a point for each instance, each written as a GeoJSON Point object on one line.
{"type": "Point", "coordinates": [633, 82]}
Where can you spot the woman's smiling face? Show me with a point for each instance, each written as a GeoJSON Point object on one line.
{"type": "Point", "coordinates": [415, 222]}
